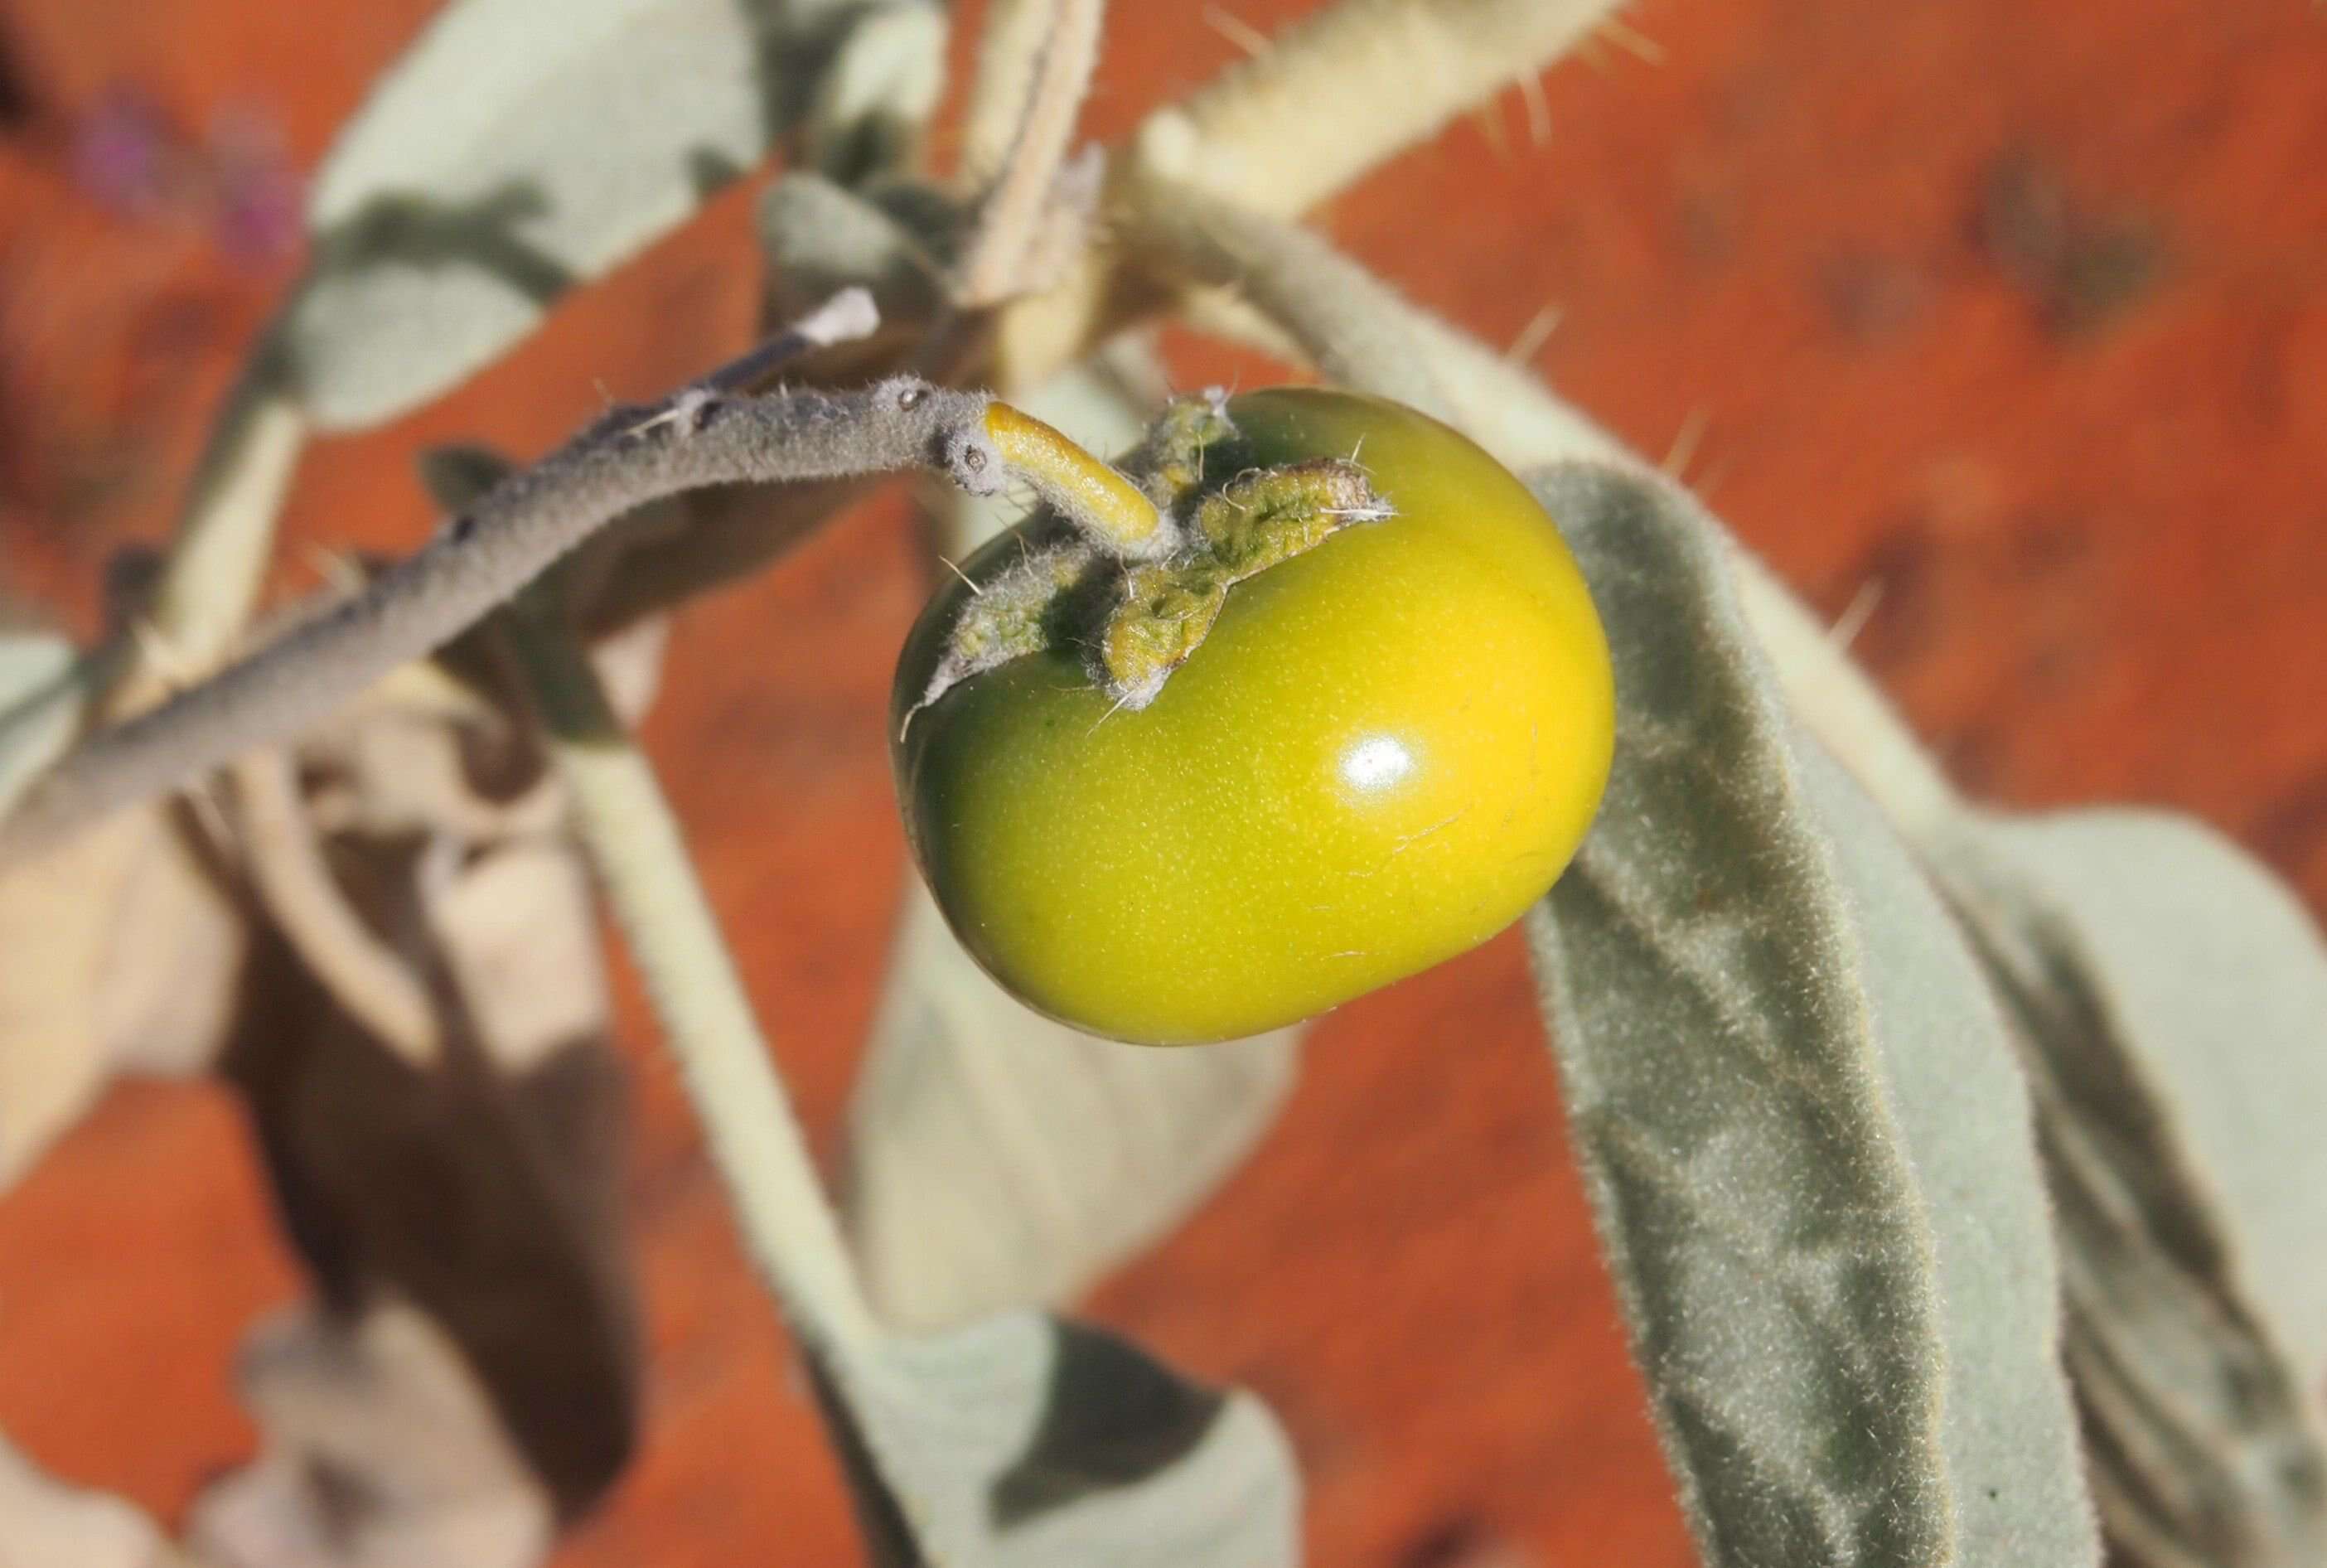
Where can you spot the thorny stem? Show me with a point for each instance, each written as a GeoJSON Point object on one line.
{"type": "Point", "coordinates": [1101, 502]}
{"type": "Point", "coordinates": [1361, 331]}
{"type": "Point", "coordinates": [629, 457]}
{"type": "Point", "coordinates": [1349, 87]}
{"type": "Point", "coordinates": [1343, 91]}
{"type": "Point", "coordinates": [739, 1098]}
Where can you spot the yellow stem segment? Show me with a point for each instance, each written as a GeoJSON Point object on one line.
{"type": "Point", "coordinates": [1098, 499]}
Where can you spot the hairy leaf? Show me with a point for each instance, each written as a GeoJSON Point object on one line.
{"type": "Point", "coordinates": [523, 147]}
{"type": "Point", "coordinates": [1026, 1440]}
{"type": "Point", "coordinates": [1807, 1147]}
{"type": "Point", "coordinates": [876, 88]}
{"type": "Point", "coordinates": [997, 1159]}
{"type": "Point", "coordinates": [2170, 1001]}
{"type": "Point", "coordinates": [119, 953]}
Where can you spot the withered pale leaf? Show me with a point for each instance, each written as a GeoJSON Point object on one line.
{"type": "Point", "coordinates": [480, 1183]}
{"type": "Point", "coordinates": [997, 1159]}
{"type": "Point", "coordinates": [1807, 1145]}
{"type": "Point", "coordinates": [118, 954]}
{"type": "Point", "coordinates": [166, 992]}
{"type": "Point", "coordinates": [46, 1524]}
{"type": "Point", "coordinates": [381, 1451]}
{"type": "Point", "coordinates": [521, 939]}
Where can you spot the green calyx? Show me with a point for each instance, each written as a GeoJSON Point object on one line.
{"type": "Point", "coordinates": [1136, 623]}
{"type": "Point", "coordinates": [1261, 518]}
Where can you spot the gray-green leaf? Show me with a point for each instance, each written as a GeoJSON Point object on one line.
{"type": "Point", "coordinates": [2170, 1001]}
{"type": "Point", "coordinates": [997, 1159]}
{"type": "Point", "coordinates": [1808, 1146]}
{"type": "Point", "coordinates": [522, 146]}
{"type": "Point", "coordinates": [1030, 1441]}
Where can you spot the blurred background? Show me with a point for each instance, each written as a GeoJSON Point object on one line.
{"type": "Point", "coordinates": [2000, 329]}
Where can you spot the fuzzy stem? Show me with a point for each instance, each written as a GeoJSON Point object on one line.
{"type": "Point", "coordinates": [1362, 332]}
{"type": "Point", "coordinates": [1349, 86]}
{"type": "Point", "coordinates": [626, 459]}
{"type": "Point", "coordinates": [1345, 90]}
{"type": "Point", "coordinates": [226, 535]}
{"type": "Point", "coordinates": [1105, 506]}
{"type": "Point", "coordinates": [1010, 44]}
{"type": "Point", "coordinates": [1359, 331]}
{"type": "Point", "coordinates": [747, 1119]}
{"type": "Point", "coordinates": [995, 264]}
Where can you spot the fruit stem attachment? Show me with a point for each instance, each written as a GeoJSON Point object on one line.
{"type": "Point", "coordinates": [1103, 504]}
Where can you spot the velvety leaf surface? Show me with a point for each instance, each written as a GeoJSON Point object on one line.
{"type": "Point", "coordinates": [997, 1159]}
{"type": "Point", "coordinates": [521, 147]}
{"type": "Point", "coordinates": [1026, 1440]}
{"type": "Point", "coordinates": [2170, 1001]}
{"type": "Point", "coordinates": [1796, 1111]}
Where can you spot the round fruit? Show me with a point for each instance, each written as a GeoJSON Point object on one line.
{"type": "Point", "coordinates": [1383, 748]}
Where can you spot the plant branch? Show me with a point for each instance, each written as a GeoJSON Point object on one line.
{"type": "Point", "coordinates": [739, 1098]}
{"type": "Point", "coordinates": [1329, 100]}
{"type": "Point", "coordinates": [848, 316]}
{"type": "Point", "coordinates": [1362, 332]}
{"type": "Point", "coordinates": [210, 584]}
{"type": "Point", "coordinates": [1115, 513]}
{"type": "Point", "coordinates": [1010, 42]}
{"type": "Point", "coordinates": [627, 458]}
{"type": "Point", "coordinates": [1348, 87]}
{"type": "Point", "coordinates": [1011, 219]}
